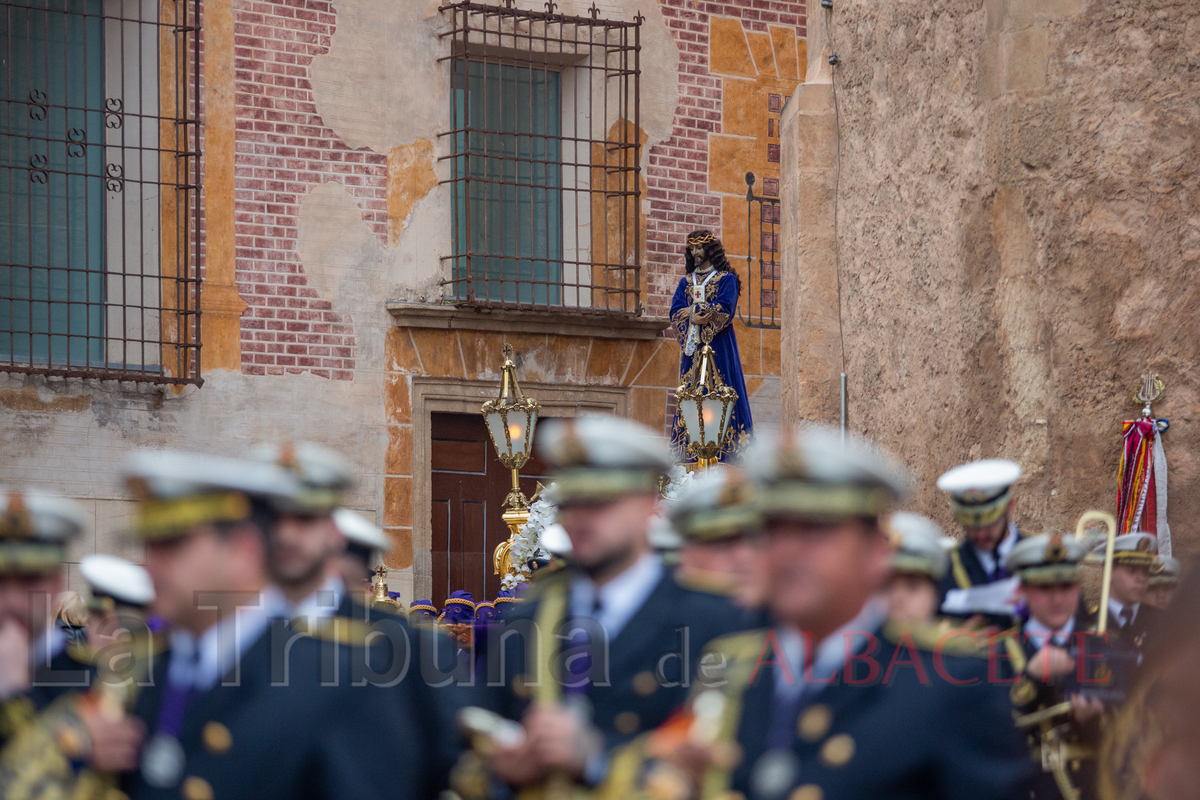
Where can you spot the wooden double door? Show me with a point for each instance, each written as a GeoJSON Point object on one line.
{"type": "Point", "coordinates": [469, 485]}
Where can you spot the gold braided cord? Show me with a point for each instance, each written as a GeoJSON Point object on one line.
{"type": "Point", "coordinates": [163, 518]}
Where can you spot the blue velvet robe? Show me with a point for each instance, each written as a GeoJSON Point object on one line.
{"type": "Point", "coordinates": [721, 296]}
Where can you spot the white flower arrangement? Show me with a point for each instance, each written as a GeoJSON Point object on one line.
{"type": "Point", "coordinates": [527, 545]}
{"type": "Point", "coordinates": [678, 481]}
{"type": "Point", "coordinates": [543, 514]}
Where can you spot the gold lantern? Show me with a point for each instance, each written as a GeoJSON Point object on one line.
{"type": "Point", "coordinates": [510, 419]}
{"type": "Point", "coordinates": [706, 404]}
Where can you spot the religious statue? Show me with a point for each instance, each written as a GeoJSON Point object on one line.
{"type": "Point", "coordinates": [702, 312]}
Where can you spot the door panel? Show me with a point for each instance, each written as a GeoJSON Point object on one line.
{"type": "Point", "coordinates": [469, 485]}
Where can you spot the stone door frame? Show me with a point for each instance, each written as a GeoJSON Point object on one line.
{"type": "Point", "coordinates": [456, 396]}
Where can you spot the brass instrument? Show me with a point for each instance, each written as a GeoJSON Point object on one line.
{"type": "Point", "coordinates": [1110, 523]}
{"type": "Point", "coordinates": [1056, 753]}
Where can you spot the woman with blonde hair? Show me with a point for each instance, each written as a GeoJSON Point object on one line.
{"type": "Point", "coordinates": [71, 616]}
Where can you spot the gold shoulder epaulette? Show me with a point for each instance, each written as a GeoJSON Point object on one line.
{"type": "Point", "coordinates": [142, 645]}
{"type": "Point", "coordinates": [743, 644]}
{"type": "Point", "coordinates": [543, 578]}
{"type": "Point", "coordinates": [707, 582]}
{"type": "Point", "coordinates": [341, 630]}
{"type": "Point", "coordinates": [546, 572]}
{"type": "Point", "coordinates": [942, 636]}
{"type": "Point", "coordinates": [15, 713]}
{"type": "Point", "coordinates": [81, 652]}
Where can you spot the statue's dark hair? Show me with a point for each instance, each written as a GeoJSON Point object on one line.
{"type": "Point", "coordinates": [715, 252]}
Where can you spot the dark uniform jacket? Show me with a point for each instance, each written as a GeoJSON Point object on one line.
{"type": "Point", "coordinates": [651, 663]}
{"type": "Point", "coordinates": [70, 670]}
{"type": "Point", "coordinates": [964, 563]}
{"type": "Point", "coordinates": [1134, 634]}
{"type": "Point", "coordinates": [1030, 694]}
{"type": "Point", "coordinates": [294, 726]}
{"type": "Point", "coordinates": [908, 722]}
{"type": "Point", "coordinates": [67, 672]}
{"type": "Point", "coordinates": [431, 678]}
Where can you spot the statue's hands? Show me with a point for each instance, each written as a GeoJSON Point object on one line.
{"type": "Point", "coordinates": [701, 315]}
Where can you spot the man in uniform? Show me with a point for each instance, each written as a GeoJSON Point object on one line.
{"type": "Point", "coordinates": [981, 497]}
{"type": "Point", "coordinates": [1130, 618]}
{"type": "Point", "coordinates": [612, 641]}
{"type": "Point", "coordinates": [1042, 649]}
{"type": "Point", "coordinates": [119, 594]}
{"type": "Point", "coordinates": [365, 543]}
{"type": "Point", "coordinates": [305, 546]}
{"type": "Point", "coordinates": [824, 704]}
{"type": "Point", "coordinates": [242, 706]}
{"type": "Point", "coordinates": [1164, 580]}
{"type": "Point", "coordinates": [47, 725]}
{"type": "Point", "coordinates": [722, 546]}
{"type": "Point", "coordinates": [919, 562]}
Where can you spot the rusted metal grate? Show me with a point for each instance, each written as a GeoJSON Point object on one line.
{"type": "Point", "coordinates": [545, 159]}
{"type": "Point", "coordinates": [99, 199]}
{"type": "Point", "coordinates": [759, 304]}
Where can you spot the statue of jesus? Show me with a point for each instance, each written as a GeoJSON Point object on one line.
{"type": "Point", "coordinates": [702, 311]}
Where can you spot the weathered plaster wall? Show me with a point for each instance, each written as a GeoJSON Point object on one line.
{"type": "Point", "coordinates": [1020, 232]}
{"type": "Point", "coordinates": [324, 205]}
{"type": "Point", "coordinates": [72, 437]}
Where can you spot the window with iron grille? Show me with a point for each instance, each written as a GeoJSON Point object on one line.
{"type": "Point", "coordinates": [544, 159]}
{"type": "Point", "coordinates": [99, 168]}
{"type": "Point", "coordinates": [758, 306]}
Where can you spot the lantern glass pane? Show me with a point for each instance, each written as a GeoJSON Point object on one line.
{"type": "Point", "coordinates": [495, 423]}
{"type": "Point", "coordinates": [726, 414]}
{"type": "Point", "coordinates": [516, 430]}
{"type": "Point", "coordinates": [712, 426]}
{"type": "Point", "coordinates": [690, 412]}
{"type": "Point", "coordinates": [532, 425]}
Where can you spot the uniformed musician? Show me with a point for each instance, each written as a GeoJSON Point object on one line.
{"type": "Point", "coordinates": [51, 726]}
{"type": "Point", "coordinates": [1130, 617]}
{"type": "Point", "coordinates": [305, 546]}
{"type": "Point", "coordinates": [828, 702]}
{"type": "Point", "coordinates": [920, 559]}
{"type": "Point", "coordinates": [1164, 580]}
{"type": "Point", "coordinates": [242, 705]}
{"type": "Point", "coordinates": [981, 497]}
{"type": "Point", "coordinates": [365, 545]}
{"type": "Point", "coordinates": [722, 545]}
{"type": "Point", "coordinates": [613, 640]}
{"type": "Point", "coordinates": [119, 597]}
{"type": "Point", "coordinates": [1044, 648]}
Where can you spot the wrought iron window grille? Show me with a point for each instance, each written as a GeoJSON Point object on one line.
{"type": "Point", "coordinates": [759, 303]}
{"type": "Point", "coordinates": [545, 155]}
{"type": "Point", "coordinates": [99, 189]}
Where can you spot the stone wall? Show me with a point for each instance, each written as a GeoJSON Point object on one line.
{"type": "Point", "coordinates": [1019, 234]}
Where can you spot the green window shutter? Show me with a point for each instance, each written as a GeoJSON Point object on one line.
{"type": "Point", "coordinates": [511, 222]}
{"type": "Point", "coordinates": [52, 193]}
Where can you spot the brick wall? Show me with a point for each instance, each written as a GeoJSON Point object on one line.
{"type": "Point", "coordinates": [677, 170]}
{"type": "Point", "coordinates": [283, 151]}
